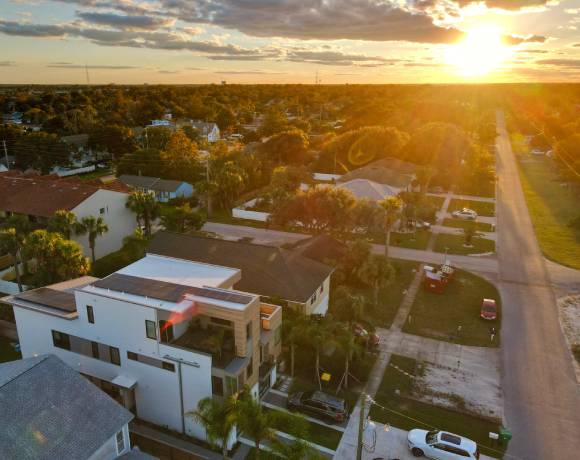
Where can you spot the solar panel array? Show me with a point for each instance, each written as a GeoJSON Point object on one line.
{"type": "Point", "coordinates": [60, 300]}
{"type": "Point", "coordinates": [163, 290]}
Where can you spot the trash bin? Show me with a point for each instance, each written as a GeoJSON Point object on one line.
{"type": "Point", "coordinates": [505, 435]}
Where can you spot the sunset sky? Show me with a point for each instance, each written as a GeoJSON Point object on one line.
{"type": "Point", "coordinates": [289, 41]}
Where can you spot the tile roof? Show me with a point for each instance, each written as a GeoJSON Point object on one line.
{"type": "Point", "coordinates": [52, 412]}
{"type": "Point", "coordinates": [266, 270]}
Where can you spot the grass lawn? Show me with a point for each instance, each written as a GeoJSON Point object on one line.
{"type": "Point", "coordinates": [425, 416]}
{"type": "Point", "coordinates": [458, 223]}
{"type": "Point", "coordinates": [482, 208]}
{"type": "Point", "coordinates": [455, 244]}
{"type": "Point", "coordinates": [551, 207]}
{"type": "Point", "coordinates": [436, 200]}
{"type": "Point", "coordinates": [418, 240]}
{"type": "Point", "coordinates": [390, 298]}
{"type": "Point", "coordinates": [438, 315]}
{"type": "Point", "coordinates": [7, 353]}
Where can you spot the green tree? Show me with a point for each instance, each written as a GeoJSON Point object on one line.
{"type": "Point", "coordinates": [115, 139]}
{"type": "Point", "coordinates": [63, 222]}
{"type": "Point", "coordinates": [348, 306]}
{"type": "Point", "coordinates": [378, 273]}
{"type": "Point", "coordinates": [319, 334]}
{"type": "Point", "coordinates": [288, 147]}
{"type": "Point", "coordinates": [135, 244]}
{"type": "Point", "coordinates": [11, 244]}
{"type": "Point", "coordinates": [145, 207]}
{"type": "Point", "coordinates": [180, 158]}
{"type": "Point", "coordinates": [346, 341]}
{"type": "Point", "coordinates": [218, 419]}
{"type": "Point", "coordinates": [41, 151]}
{"type": "Point", "coordinates": [392, 207]}
{"type": "Point", "coordinates": [469, 232]}
{"type": "Point", "coordinates": [93, 227]}
{"type": "Point", "coordinates": [182, 219]}
{"type": "Point", "coordinates": [294, 329]}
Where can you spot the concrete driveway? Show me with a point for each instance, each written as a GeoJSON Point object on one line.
{"type": "Point", "coordinates": [542, 398]}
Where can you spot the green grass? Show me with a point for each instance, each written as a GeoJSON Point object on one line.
{"type": "Point", "coordinates": [409, 413]}
{"type": "Point", "coordinates": [436, 200]}
{"type": "Point", "coordinates": [458, 223]}
{"type": "Point", "coordinates": [482, 208]}
{"type": "Point", "coordinates": [418, 240]}
{"type": "Point", "coordinates": [455, 244]}
{"type": "Point", "coordinates": [7, 353]}
{"type": "Point", "coordinates": [438, 315]}
{"type": "Point", "coordinates": [551, 207]}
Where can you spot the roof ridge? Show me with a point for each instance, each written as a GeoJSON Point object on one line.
{"type": "Point", "coordinates": [41, 360]}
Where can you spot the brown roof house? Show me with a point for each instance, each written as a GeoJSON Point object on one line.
{"type": "Point", "coordinates": [39, 197]}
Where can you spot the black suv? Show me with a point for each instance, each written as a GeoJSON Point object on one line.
{"type": "Point", "coordinates": [319, 404]}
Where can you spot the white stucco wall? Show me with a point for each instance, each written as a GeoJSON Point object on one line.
{"type": "Point", "coordinates": [120, 220]}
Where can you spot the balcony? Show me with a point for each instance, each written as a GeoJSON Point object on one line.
{"type": "Point", "coordinates": [270, 316]}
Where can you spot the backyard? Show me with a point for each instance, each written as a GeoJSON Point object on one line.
{"type": "Point", "coordinates": [397, 395]}
{"type": "Point", "coordinates": [438, 316]}
{"type": "Point", "coordinates": [551, 207]}
{"type": "Point", "coordinates": [455, 244]}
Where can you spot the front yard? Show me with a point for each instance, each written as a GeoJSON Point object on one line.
{"type": "Point", "coordinates": [454, 243]}
{"type": "Point", "coordinates": [482, 208]}
{"type": "Point", "coordinates": [401, 408]}
{"type": "Point", "coordinates": [438, 316]}
{"type": "Point", "coordinates": [459, 223]}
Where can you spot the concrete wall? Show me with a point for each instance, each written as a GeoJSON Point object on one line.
{"type": "Point", "coordinates": [120, 220]}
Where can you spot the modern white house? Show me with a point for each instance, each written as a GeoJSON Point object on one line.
{"type": "Point", "coordinates": [52, 412]}
{"type": "Point", "coordinates": [158, 335]}
{"type": "Point", "coordinates": [39, 197]}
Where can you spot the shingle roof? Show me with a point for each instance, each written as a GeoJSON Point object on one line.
{"type": "Point", "coordinates": [49, 411]}
{"type": "Point", "coordinates": [322, 248]}
{"type": "Point", "coordinates": [151, 183]}
{"type": "Point", "coordinates": [362, 188]}
{"type": "Point", "coordinates": [266, 270]}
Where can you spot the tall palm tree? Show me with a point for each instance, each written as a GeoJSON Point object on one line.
{"type": "Point", "coordinates": [11, 243]}
{"type": "Point", "coordinates": [392, 207]}
{"type": "Point", "coordinates": [93, 227]}
{"type": "Point", "coordinates": [319, 334]}
{"type": "Point", "coordinates": [347, 306]}
{"type": "Point", "coordinates": [294, 330]}
{"type": "Point", "coordinates": [23, 227]}
{"type": "Point", "coordinates": [347, 343]}
{"type": "Point", "coordinates": [218, 419]}
{"type": "Point", "coordinates": [63, 222]}
{"type": "Point", "coordinates": [145, 208]}
{"type": "Point", "coordinates": [377, 272]}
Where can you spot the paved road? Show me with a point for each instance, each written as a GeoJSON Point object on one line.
{"type": "Point", "coordinates": [542, 398]}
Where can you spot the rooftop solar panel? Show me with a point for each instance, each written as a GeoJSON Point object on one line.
{"type": "Point", "coordinates": [59, 300]}
{"type": "Point", "coordinates": [163, 290]}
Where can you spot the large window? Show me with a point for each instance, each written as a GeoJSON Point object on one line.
{"type": "Point", "coordinates": [90, 314]}
{"type": "Point", "coordinates": [150, 329]}
{"type": "Point", "coordinates": [115, 356]}
{"type": "Point", "coordinates": [120, 438]}
{"type": "Point", "coordinates": [166, 331]}
{"type": "Point", "coordinates": [61, 340]}
{"type": "Point", "coordinates": [151, 361]}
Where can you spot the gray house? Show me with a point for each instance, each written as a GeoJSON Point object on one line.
{"type": "Point", "coordinates": [50, 411]}
{"type": "Point", "coordinates": [163, 189]}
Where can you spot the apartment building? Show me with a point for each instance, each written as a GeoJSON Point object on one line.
{"type": "Point", "coordinates": [158, 335]}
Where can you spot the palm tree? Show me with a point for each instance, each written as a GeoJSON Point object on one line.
{"type": "Point", "coordinates": [63, 222]}
{"type": "Point", "coordinates": [145, 207]}
{"type": "Point", "coordinates": [218, 419]}
{"type": "Point", "coordinates": [347, 343]}
{"type": "Point", "coordinates": [23, 227]}
{"type": "Point", "coordinates": [347, 306]}
{"type": "Point", "coordinates": [392, 207]}
{"type": "Point", "coordinates": [319, 334]}
{"type": "Point", "coordinates": [377, 272]}
{"type": "Point", "coordinates": [11, 243]}
{"type": "Point", "coordinates": [293, 329]}
{"type": "Point", "coordinates": [94, 227]}
{"type": "Point", "coordinates": [470, 231]}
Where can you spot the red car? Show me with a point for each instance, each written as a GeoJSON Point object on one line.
{"type": "Point", "coordinates": [488, 309]}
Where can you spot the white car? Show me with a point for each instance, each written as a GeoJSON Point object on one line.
{"type": "Point", "coordinates": [441, 445]}
{"type": "Point", "coordinates": [465, 213]}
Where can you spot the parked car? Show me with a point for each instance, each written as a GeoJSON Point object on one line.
{"type": "Point", "coordinates": [441, 445]}
{"type": "Point", "coordinates": [320, 405]}
{"type": "Point", "coordinates": [418, 224]}
{"type": "Point", "coordinates": [465, 213]}
{"type": "Point", "coordinates": [488, 309]}
{"type": "Point", "coordinates": [370, 339]}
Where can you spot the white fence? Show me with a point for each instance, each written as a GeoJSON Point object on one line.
{"type": "Point", "coordinates": [65, 172]}
{"type": "Point", "coordinates": [326, 177]}
{"type": "Point", "coordinates": [241, 213]}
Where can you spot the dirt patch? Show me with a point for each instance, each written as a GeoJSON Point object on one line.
{"type": "Point", "coordinates": [569, 314]}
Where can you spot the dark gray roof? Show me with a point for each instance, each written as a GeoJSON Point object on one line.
{"type": "Point", "coordinates": [151, 183]}
{"type": "Point", "coordinates": [266, 270]}
{"type": "Point", "coordinates": [49, 411]}
{"type": "Point", "coordinates": [136, 454]}
{"type": "Point", "coordinates": [322, 248]}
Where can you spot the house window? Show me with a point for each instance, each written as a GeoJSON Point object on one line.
{"type": "Point", "coordinates": [132, 356]}
{"type": "Point", "coordinates": [90, 314]}
{"type": "Point", "coordinates": [217, 385]}
{"type": "Point", "coordinates": [169, 366]}
{"type": "Point", "coordinates": [120, 437]}
{"type": "Point", "coordinates": [166, 331]}
{"type": "Point", "coordinates": [250, 369]}
{"type": "Point", "coordinates": [150, 329]}
{"type": "Point", "coordinates": [61, 340]}
{"type": "Point", "coordinates": [249, 330]}
{"type": "Point", "coordinates": [115, 356]}
{"type": "Point", "coordinates": [95, 350]}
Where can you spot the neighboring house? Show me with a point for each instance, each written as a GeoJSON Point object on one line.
{"type": "Point", "coordinates": [270, 272]}
{"type": "Point", "coordinates": [389, 171]}
{"type": "Point", "coordinates": [208, 131]}
{"type": "Point", "coordinates": [321, 248]}
{"type": "Point", "coordinates": [39, 197]}
{"type": "Point", "coordinates": [160, 335]}
{"type": "Point", "coordinates": [363, 188]}
{"type": "Point", "coordinates": [163, 189]}
{"type": "Point", "coordinates": [49, 411]}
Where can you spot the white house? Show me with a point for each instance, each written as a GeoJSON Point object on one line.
{"type": "Point", "coordinates": [39, 197]}
{"type": "Point", "coordinates": [208, 131]}
{"type": "Point", "coordinates": [50, 411]}
{"type": "Point", "coordinates": [160, 334]}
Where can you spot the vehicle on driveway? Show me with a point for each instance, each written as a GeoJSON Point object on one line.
{"type": "Point", "coordinates": [465, 214]}
{"type": "Point", "coordinates": [320, 405]}
{"type": "Point", "coordinates": [369, 339]}
{"type": "Point", "coordinates": [441, 445]}
{"type": "Point", "coordinates": [488, 309]}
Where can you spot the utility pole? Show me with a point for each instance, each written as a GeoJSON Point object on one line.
{"type": "Point", "coordinates": [361, 426]}
{"type": "Point", "coordinates": [6, 154]}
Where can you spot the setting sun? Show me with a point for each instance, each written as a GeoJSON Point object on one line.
{"type": "Point", "coordinates": [479, 53]}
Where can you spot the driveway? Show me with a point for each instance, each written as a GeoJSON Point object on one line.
{"type": "Point", "coordinates": [542, 398]}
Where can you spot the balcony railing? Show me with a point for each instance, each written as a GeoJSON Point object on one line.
{"type": "Point", "coordinates": [270, 316]}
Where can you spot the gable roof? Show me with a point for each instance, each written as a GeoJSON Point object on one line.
{"type": "Point", "coordinates": [322, 248]}
{"type": "Point", "coordinates": [53, 412]}
{"type": "Point", "coordinates": [389, 171]}
{"type": "Point", "coordinates": [362, 188]}
{"type": "Point", "coordinates": [151, 183]}
{"type": "Point", "coordinates": [266, 270]}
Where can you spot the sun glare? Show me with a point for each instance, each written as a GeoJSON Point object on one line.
{"type": "Point", "coordinates": [479, 53]}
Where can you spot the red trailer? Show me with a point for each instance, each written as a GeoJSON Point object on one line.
{"type": "Point", "coordinates": [435, 279]}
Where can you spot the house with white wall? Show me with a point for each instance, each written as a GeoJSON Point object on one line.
{"type": "Point", "coordinates": [39, 197]}
{"type": "Point", "coordinates": [163, 189]}
{"type": "Point", "coordinates": [52, 412]}
{"type": "Point", "coordinates": [160, 335]}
